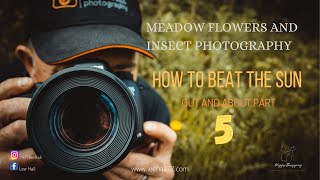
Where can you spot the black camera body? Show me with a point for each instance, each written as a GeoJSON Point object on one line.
{"type": "Point", "coordinates": [85, 118]}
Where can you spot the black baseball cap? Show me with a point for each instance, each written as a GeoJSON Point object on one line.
{"type": "Point", "coordinates": [61, 30]}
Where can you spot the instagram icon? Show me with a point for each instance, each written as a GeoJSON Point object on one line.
{"type": "Point", "coordinates": [14, 154]}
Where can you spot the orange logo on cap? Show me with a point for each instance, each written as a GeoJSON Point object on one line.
{"type": "Point", "coordinates": [58, 4]}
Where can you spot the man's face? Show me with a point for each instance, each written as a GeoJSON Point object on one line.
{"type": "Point", "coordinates": [117, 59]}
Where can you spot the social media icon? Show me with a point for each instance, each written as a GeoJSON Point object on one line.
{"type": "Point", "coordinates": [14, 154]}
{"type": "Point", "coordinates": [14, 166]}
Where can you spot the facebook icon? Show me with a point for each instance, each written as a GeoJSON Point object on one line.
{"type": "Point", "coordinates": [14, 166]}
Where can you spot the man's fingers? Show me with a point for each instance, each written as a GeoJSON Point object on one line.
{"type": "Point", "coordinates": [12, 109]}
{"type": "Point", "coordinates": [15, 86]}
{"type": "Point", "coordinates": [166, 136]}
{"type": "Point", "coordinates": [141, 162]}
{"type": "Point", "coordinates": [13, 134]}
{"type": "Point", "coordinates": [26, 159]}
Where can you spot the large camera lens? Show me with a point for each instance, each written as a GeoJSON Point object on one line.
{"type": "Point", "coordinates": [84, 117]}
{"type": "Point", "coordinates": [83, 120]}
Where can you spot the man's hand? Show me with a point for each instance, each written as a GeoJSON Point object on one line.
{"type": "Point", "coordinates": [13, 113]}
{"type": "Point", "coordinates": [139, 166]}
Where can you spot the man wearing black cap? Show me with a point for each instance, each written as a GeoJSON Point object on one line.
{"type": "Point", "coordinates": [63, 32]}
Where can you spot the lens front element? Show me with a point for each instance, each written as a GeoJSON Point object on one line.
{"type": "Point", "coordinates": [84, 117]}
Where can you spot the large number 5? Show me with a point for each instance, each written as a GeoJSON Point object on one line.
{"type": "Point", "coordinates": [226, 128]}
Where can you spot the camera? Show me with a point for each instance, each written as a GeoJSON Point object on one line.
{"type": "Point", "coordinates": [58, 4]}
{"type": "Point", "coordinates": [85, 118]}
